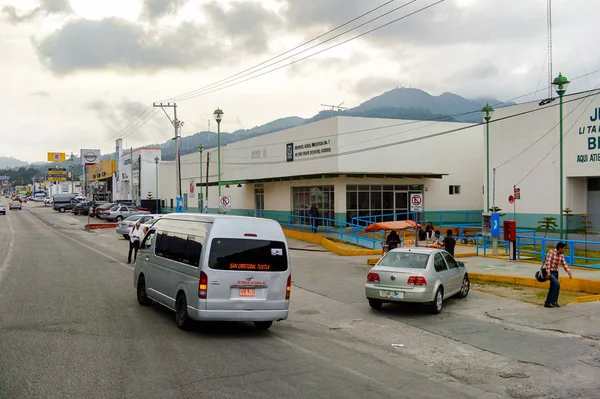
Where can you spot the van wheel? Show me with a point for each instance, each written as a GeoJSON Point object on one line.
{"type": "Point", "coordinates": [438, 301]}
{"type": "Point", "coordinates": [181, 314]}
{"type": "Point", "coordinates": [141, 292]}
{"type": "Point", "coordinates": [61, 210]}
{"type": "Point", "coordinates": [263, 325]}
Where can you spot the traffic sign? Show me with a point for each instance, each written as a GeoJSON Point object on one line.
{"type": "Point", "coordinates": [225, 202]}
{"type": "Point", "coordinates": [495, 224]}
{"type": "Point", "coordinates": [416, 202]}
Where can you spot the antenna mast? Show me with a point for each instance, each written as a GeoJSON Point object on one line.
{"type": "Point", "coordinates": [550, 77]}
{"type": "Point", "coordinates": [335, 107]}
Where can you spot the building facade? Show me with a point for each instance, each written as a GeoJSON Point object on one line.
{"type": "Point", "coordinates": [525, 153]}
{"type": "Point", "coordinates": [348, 166]}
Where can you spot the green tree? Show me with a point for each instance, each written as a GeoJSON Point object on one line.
{"type": "Point", "coordinates": [586, 226]}
{"type": "Point", "coordinates": [568, 212]}
{"type": "Point", "coordinates": [547, 223]}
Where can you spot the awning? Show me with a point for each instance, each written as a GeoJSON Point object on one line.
{"type": "Point", "coordinates": [399, 225]}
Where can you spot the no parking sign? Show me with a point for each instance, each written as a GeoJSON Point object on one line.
{"type": "Point", "coordinates": [225, 203]}
{"type": "Point", "coordinates": [416, 202]}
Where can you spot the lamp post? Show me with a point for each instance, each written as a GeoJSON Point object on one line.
{"type": "Point", "coordinates": [218, 114]}
{"type": "Point", "coordinates": [200, 196]}
{"type": "Point", "coordinates": [156, 162]}
{"type": "Point", "coordinates": [560, 85]}
{"type": "Point", "coordinates": [487, 115]}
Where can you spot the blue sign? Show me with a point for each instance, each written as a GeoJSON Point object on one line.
{"type": "Point", "coordinates": [179, 208]}
{"type": "Point", "coordinates": [495, 224]}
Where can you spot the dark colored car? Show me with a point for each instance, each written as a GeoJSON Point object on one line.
{"type": "Point", "coordinates": [81, 208]}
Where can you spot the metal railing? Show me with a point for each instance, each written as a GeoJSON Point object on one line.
{"type": "Point", "coordinates": [535, 248]}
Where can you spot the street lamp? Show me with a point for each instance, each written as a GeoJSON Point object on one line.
{"type": "Point", "coordinates": [560, 85]}
{"type": "Point", "coordinates": [201, 196]}
{"type": "Point", "coordinates": [218, 114]}
{"type": "Point", "coordinates": [156, 162]}
{"type": "Point", "coordinates": [487, 115]}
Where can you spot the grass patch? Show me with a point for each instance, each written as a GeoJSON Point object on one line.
{"type": "Point", "coordinates": [521, 293]}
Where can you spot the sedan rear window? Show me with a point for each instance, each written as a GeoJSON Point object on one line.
{"type": "Point", "coordinates": [247, 255]}
{"type": "Point", "coordinates": [405, 260]}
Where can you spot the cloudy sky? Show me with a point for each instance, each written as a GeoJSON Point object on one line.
{"type": "Point", "coordinates": [77, 73]}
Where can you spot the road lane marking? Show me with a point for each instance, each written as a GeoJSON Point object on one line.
{"type": "Point", "coordinates": [11, 244]}
{"type": "Point", "coordinates": [80, 243]}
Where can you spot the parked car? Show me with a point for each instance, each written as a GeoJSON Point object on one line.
{"type": "Point", "coordinates": [124, 226]}
{"type": "Point", "coordinates": [422, 275]}
{"type": "Point", "coordinates": [48, 201]}
{"type": "Point", "coordinates": [149, 223]}
{"type": "Point", "coordinates": [14, 205]}
{"type": "Point", "coordinates": [3, 209]}
{"type": "Point", "coordinates": [120, 212]}
{"type": "Point", "coordinates": [82, 208]}
{"type": "Point", "coordinates": [95, 210]}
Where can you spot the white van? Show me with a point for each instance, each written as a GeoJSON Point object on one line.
{"type": "Point", "coordinates": [215, 267]}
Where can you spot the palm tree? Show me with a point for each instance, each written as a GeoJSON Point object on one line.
{"type": "Point", "coordinates": [586, 226]}
{"type": "Point", "coordinates": [547, 223]}
{"type": "Point", "coordinates": [568, 212]}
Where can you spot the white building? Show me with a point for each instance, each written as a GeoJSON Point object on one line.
{"type": "Point", "coordinates": [136, 174]}
{"type": "Point", "coordinates": [524, 150]}
{"type": "Point", "coordinates": [349, 166]}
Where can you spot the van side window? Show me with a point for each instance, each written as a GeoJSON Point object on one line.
{"type": "Point", "coordinates": [179, 247]}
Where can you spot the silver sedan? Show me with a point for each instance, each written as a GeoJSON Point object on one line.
{"type": "Point", "coordinates": [423, 275]}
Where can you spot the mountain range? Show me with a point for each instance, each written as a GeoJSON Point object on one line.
{"type": "Point", "coordinates": [399, 103]}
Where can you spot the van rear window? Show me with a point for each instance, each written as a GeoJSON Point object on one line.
{"type": "Point", "coordinates": [247, 255]}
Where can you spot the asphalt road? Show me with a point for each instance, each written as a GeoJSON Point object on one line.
{"type": "Point", "coordinates": [71, 327]}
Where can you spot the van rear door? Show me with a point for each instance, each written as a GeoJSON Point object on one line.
{"type": "Point", "coordinates": [247, 274]}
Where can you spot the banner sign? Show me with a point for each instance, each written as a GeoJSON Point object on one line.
{"type": "Point", "coordinates": [57, 157]}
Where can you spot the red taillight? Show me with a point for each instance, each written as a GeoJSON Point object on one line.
{"type": "Point", "coordinates": [373, 277]}
{"type": "Point", "coordinates": [288, 288]}
{"type": "Point", "coordinates": [202, 285]}
{"type": "Point", "coordinates": [417, 280]}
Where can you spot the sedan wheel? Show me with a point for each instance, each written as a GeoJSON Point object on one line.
{"type": "Point", "coordinates": [119, 218]}
{"type": "Point", "coordinates": [375, 303]}
{"type": "Point", "coordinates": [465, 287]}
{"type": "Point", "coordinates": [438, 301]}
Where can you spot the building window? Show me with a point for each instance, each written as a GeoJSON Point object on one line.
{"type": "Point", "coordinates": [304, 197]}
{"type": "Point", "coordinates": [454, 190]}
{"type": "Point", "coordinates": [389, 202]}
{"type": "Point", "coordinates": [593, 184]}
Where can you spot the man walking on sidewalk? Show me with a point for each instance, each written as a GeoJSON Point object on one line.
{"type": "Point", "coordinates": [555, 258]}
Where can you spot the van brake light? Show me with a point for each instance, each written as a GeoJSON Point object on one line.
{"type": "Point", "coordinates": [202, 285]}
{"type": "Point", "coordinates": [288, 288]}
{"type": "Point", "coordinates": [249, 235]}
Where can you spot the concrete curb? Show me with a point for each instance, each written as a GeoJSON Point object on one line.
{"type": "Point", "coordinates": [573, 285]}
{"type": "Point", "coordinates": [328, 244]}
{"type": "Point", "coordinates": [100, 226]}
{"type": "Point", "coordinates": [589, 298]}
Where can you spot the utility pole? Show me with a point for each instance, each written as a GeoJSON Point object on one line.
{"type": "Point", "coordinates": [72, 177]}
{"type": "Point", "coordinates": [140, 178]}
{"type": "Point", "coordinates": [131, 173]}
{"type": "Point", "coordinates": [207, 166]}
{"type": "Point", "coordinates": [177, 124]}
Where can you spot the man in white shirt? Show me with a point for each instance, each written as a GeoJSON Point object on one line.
{"type": "Point", "coordinates": [135, 236]}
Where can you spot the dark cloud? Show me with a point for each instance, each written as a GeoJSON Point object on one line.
{"type": "Point", "coordinates": [373, 85]}
{"type": "Point", "coordinates": [155, 9]}
{"type": "Point", "coordinates": [114, 43]}
{"type": "Point", "coordinates": [46, 7]}
{"type": "Point", "coordinates": [40, 94]}
{"type": "Point", "coordinates": [442, 24]}
{"type": "Point", "coordinates": [116, 115]}
{"type": "Point", "coordinates": [248, 24]}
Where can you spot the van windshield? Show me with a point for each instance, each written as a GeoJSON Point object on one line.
{"type": "Point", "coordinates": [247, 255]}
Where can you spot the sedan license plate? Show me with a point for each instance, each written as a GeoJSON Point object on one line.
{"type": "Point", "coordinates": [246, 292]}
{"type": "Point", "coordinates": [392, 294]}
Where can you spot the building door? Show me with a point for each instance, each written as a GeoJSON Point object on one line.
{"type": "Point", "coordinates": [594, 202]}
{"type": "Point", "coordinates": [259, 200]}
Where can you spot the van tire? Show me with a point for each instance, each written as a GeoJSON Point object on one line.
{"type": "Point", "coordinates": [263, 325]}
{"type": "Point", "coordinates": [141, 292]}
{"type": "Point", "coordinates": [61, 209]}
{"type": "Point", "coordinates": [181, 314]}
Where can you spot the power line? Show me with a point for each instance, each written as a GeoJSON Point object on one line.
{"type": "Point", "coordinates": [312, 55]}
{"type": "Point", "coordinates": [127, 126]}
{"type": "Point", "coordinates": [282, 54]}
{"type": "Point", "coordinates": [555, 145]}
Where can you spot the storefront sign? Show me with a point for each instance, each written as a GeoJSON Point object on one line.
{"type": "Point", "coordinates": [311, 148]}
{"type": "Point", "coordinates": [57, 157]}
{"type": "Point", "coordinates": [591, 134]}
{"type": "Point", "coordinates": [90, 156]}
{"type": "Point", "coordinates": [102, 170]}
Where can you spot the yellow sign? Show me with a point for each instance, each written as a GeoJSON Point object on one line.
{"type": "Point", "coordinates": [57, 157]}
{"type": "Point", "coordinates": [57, 178]}
{"type": "Point", "coordinates": [102, 170]}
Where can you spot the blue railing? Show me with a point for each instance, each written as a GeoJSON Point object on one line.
{"type": "Point", "coordinates": [534, 246]}
{"type": "Point", "coordinates": [332, 228]}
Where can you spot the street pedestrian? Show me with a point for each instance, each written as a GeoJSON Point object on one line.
{"type": "Point", "coordinates": [555, 258]}
{"type": "Point", "coordinates": [393, 240]}
{"type": "Point", "coordinates": [314, 217]}
{"type": "Point", "coordinates": [449, 242]}
{"type": "Point", "coordinates": [134, 241]}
